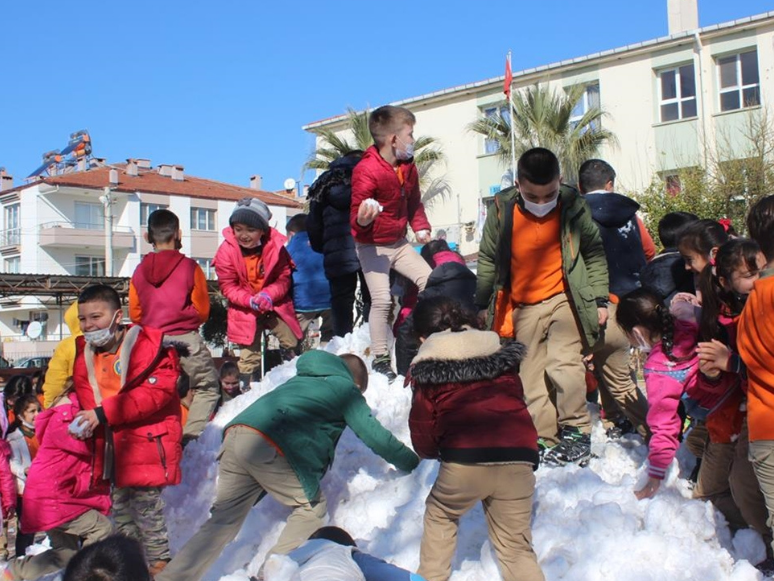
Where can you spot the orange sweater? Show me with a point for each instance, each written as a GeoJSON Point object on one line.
{"type": "Point", "coordinates": [536, 257]}
{"type": "Point", "coordinates": [755, 341]}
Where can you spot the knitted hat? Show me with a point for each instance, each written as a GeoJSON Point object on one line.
{"type": "Point", "coordinates": [251, 212]}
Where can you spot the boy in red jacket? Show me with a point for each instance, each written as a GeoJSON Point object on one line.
{"type": "Point", "coordinates": [254, 273]}
{"type": "Point", "coordinates": [126, 383]}
{"type": "Point", "coordinates": [385, 199]}
{"type": "Point", "coordinates": [168, 292]}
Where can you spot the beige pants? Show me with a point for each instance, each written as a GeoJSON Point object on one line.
{"type": "Point", "coordinates": [91, 527]}
{"type": "Point", "coordinates": [761, 454]}
{"type": "Point", "coordinates": [506, 491]}
{"type": "Point", "coordinates": [553, 372]}
{"type": "Point", "coordinates": [618, 392]}
{"type": "Point", "coordinates": [305, 319]}
{"type": "Point", "coordinates": [376, 262]}
{"type": "Point", "coordinates": [250, 355]}
{"type": "Point", "coordinates": [249, 468]}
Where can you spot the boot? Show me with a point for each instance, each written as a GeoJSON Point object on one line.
{"type": "Point", "coordinates": [244, 381]}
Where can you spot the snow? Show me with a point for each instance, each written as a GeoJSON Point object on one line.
{"type": "Point", "coordinates": [587, 523]}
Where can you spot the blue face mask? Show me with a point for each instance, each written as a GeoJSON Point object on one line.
{"type": "Point", "coordinates": [406, 153]}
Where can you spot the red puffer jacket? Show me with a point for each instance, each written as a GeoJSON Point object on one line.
{"type": "Point", "coordinates": [374, 178]}
{"type": "Point", "coordinates": [232, 278]}
{"type": "Point", "coordinates": [468, 403]}
{"type": "Point", "coordinates": [143, 435]}
{"type": "Point", "coordinates": [7, 481]}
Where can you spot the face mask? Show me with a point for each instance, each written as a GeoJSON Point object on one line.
{"type": "Point", "coordinates": [540, 210]}
{"type": "Point", "coordinates": [100, 337]}
{"type": "Point", "coordinates": [406, 153]}
{"type": "Point", "coordinates": [642, 344]}
{"type": "Point", "coordinates": [28, 425]}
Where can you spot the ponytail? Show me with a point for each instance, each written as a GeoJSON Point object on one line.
{"type": "Point", "coordinates": [436, 314]}
{"type": "Point", "coordinates": [711, 293]}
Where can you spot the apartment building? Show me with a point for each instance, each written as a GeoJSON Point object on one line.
{"type": "Point", "coordinates": [57, 225]}
{"type": "Point", "coordinates": [669, 101]}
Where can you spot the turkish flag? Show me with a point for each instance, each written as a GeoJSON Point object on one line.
{"type": "Point", "coordinates": [508, 77]}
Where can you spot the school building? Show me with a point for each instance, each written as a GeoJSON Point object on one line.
{"type": "Point", "coordinates": [669, 101]}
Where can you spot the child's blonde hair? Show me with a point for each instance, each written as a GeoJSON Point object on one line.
{"type": "Point", "coordinates": [388, 120]}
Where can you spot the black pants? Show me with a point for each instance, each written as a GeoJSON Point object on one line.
{"type": "Point", "coordinates": [343, 291]}
{"type": "Point", "coordinates": [22, 540]}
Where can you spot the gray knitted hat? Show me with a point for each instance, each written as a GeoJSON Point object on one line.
{"type": "Point", "coordinates": [251, 212]}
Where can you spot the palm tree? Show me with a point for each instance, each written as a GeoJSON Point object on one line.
{"type": "Point", "coordinates": [427, 152]}
{"type": "Point", "coordinates": [543, 118]}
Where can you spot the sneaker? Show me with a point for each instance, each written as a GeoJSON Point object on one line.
{"type": "Point", "coordinates": [543, 447]}
{"type": "Point", "coordinates": [573, 448]}
{"type": "Point", "coordinates": [766, 567]}
{"type": "Point", "coordinates": [620, 429]}
{"type": "Point", "coordinates": [383, 365]}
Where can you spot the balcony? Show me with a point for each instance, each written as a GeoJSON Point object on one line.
{"type": "Point", "coordinates": [83, 235]}
{"type": "Point", "coordinates": [10, 237]}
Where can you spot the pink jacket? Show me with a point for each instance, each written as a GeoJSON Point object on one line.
{"type": "Point", "coordinates": [7, 481]}
{"type": "Point", "coordinates": [232, 278]}
{"type": "Point", "coordinates": [59, 484]}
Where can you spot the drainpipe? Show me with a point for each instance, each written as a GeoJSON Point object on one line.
{"type": "Point", "coordinates": [697, 49]}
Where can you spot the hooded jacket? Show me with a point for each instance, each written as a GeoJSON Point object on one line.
{"type": "Point", "coordinates": [616, 218]}
{"type": "Point", "coordinates": [468, 403]}
{"type": "Point", "coordinates": [59, 487]}
{"type": "Point", "coordinates": [402, 205]}
{"type": "Point", "coordinates": [168, 291]}
{"type": "Point", "coordinates": [306, 415]}
{"type": "Point", "coordinates": [232, 278]}
{"type": "Point", "coordinates": [7, 481]}
{"type": "Point", "coordinates": [666, 276]}
{"type": "Point", "coordinates": [60, 368]}
{"type": "Point", "coordinates": [328, 220]}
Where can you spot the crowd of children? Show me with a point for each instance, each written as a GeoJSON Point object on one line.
{"type": "Point", "coordinates": [497, 362]}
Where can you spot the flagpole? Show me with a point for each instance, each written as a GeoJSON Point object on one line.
{"type": "Point", "coordinates": [513, 137]}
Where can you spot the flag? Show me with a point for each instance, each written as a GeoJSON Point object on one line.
{"type": "Point", "coordinates": [508, 77]}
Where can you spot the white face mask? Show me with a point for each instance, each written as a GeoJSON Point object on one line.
{"type": "Point", "coordinates": [540, 210]}
{"type": "Point", "coordinates": [642, 344]}
{"type": "Point", "coordinates": [101, 337]}
{"type": "Point", "coordinates": [406, 153]}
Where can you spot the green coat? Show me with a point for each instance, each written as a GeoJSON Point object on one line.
{"type": "Point", "coordinates": [583, 258]}
{"type": "Point", "coordinates": [306, 415]}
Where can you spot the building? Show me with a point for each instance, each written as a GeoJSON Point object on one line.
{"type": "Point", "coordinates": [669, 101]}
{"type": "Point", "coordinates": [56, 225]}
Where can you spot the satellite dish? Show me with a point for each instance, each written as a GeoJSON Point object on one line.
{"type": "Point", "coordinates": [34, 330]}
{"type": "Point", "coordinates": [290, 184]}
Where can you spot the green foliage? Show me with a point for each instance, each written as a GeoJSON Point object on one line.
{"type": "Point", "coordinates": [214, 330]}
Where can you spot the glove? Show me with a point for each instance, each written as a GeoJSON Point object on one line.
{"type": "Point", "coordinates": [261, 303]}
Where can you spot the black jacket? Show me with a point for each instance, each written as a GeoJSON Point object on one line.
{"type": "Point", "coordinates": [616, 217]}
{"type": "Point", "coordinates": [666, 276]}
{"type": "Point", "coordinates": [328, 220]}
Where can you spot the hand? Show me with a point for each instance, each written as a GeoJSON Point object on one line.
{"type": "Point", "coordinates": [689, 298]}
{"type": "Point", "coordinates": [262, 303]}
{"type": "Point", "coordinates": [367, 213]}
{"type": "Point", "coordinates": [709, 370]}
{"type": "Point", "coordinates": [423, 236]}
{"type": "Point", "coordinates": [482, 315]}
{"type": "Point", "coordinates": [715, 355]}
{"type": "Point", "coordinates": [89, 421]}
{"type": "Point", "coordinates": [9, 512]}
{"type": "Point", "coordinates": [649, 490]}
{"type": "Point", "coordinates": [603, 314]}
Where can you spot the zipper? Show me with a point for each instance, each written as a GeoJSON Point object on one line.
{"type": "Point", "coordinates": [162, 453]}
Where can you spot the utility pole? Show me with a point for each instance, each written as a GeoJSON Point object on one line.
{"type": "Point", "coordinates": [107, 202]}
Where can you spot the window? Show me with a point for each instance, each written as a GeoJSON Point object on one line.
{"type": "Point", "coordinates": [89, 216]}
{"type": "Point", "coordinates": [673, 184]}
{"type": "Point", "coordinates": [492, 145]}
{"type": "Point", "coordinates": [89, 266]}
{"type": "Point", "coordinates": [12, 233]}
{"type": "Point", "coordinates": [206, 264]}
{"type": "Point", "coordinates": [590, 100]}
{"type": "Point", "coordinates": [13, 265]}
{"type": "Point", "coordinates": [738, 81]}
{"type": "Point", "coordinates": [677, 93]}
{"type": "Point", "coordinates": [147, 209]}
{"type": "Point", "coordinates": [203, 219]}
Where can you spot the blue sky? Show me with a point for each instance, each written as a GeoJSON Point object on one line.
{"type": "Point", "coordinates": [223, 88]}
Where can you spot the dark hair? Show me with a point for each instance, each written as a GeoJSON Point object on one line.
{"type": "Point", "coordinates": [760, 223]}
{"type": "Point", "coordinates": [16, 387]}
{"type": "Point", "coordinates": [387, 120]}
{"type": "Point", "coordinates": [296, 223]}
{"type": "Point", "coordinates": [228, 368]}
{"type": "Point", "coordinates": [117, 558]}
{"type": "Point", "coordinates": [538, 166]}
{"type": "Point", "coordinates": [432, 248]}
{"type": "Point", "coordinates": [671, 224]}
{"type": "Point", "coordinates": [436, 314]}
{"type": "Point", "coordinates": [335, 534]}
{"type": "Point", "coordinates": [357, 368]}
{"type": "Point", "coordinates": [644, 308]}
{"type": "Point", "coordinates": [20, 405]}
{"type": "Point", "coordinates": [594, 175]}
{"type": "Point", "coordinates": [100, 292]}
{"type": "Point", "coordinates": [733, 254]}
{"type": "Point", "coordinates": [163, 226]}
{"type": "Point", "coordinates": [702, 236]}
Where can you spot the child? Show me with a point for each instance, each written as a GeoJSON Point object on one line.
{"type": "Point", "coordinates": [168, 292]}
{"type": "Point", "coordinates": [468, 411]}
{"type": "Point", "coordinates": [671, 375]}
{"type": "Point", "coordinates": [117, 558]}
{"type": "Point", "coordinates": [59, 496]}
{"type": "Point", "coordinates": [665, 275]}
{"type": "Point", "coordinates": [282, 445]}
{"type": "Point", "coordinates": [60, 368]}
{"type": "Point", "coordinates": [726, 476]}
{"type": "Point", "coordinates": [230, 386]}
{"type": "Point", "coordinates": [254, 272]}
{"type": "Point", "coordinates": [7, 483]}
{"type": "Point", "coordinates": [311, 293]}
{"type": "Point", "coordinates": [385, 199]}
{"type": "Point", "coordinates": [24, 448]}
{"type": "Point", "coordinates": [126, 383]}
{"type": "Point", "coordinates": [756, 346]}
{"type": "Point", "coordinates": [698, 243]}
{"type": "Point", "coordinates": [16, 387]}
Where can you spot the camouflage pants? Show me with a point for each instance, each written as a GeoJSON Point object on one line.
{"type": "Point", "coordinates": [138, 512]}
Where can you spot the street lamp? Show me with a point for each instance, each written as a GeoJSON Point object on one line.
{"type": "Point", "coordinates": [107, 202]}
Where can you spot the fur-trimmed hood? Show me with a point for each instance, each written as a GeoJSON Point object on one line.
{"type": "Point", "coordinates": [464, 356]}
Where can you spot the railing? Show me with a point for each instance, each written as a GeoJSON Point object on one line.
{"type": "Point", "coordinates": [11, 237]}
{"type": "Point", "coordinates": [85, 226]}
